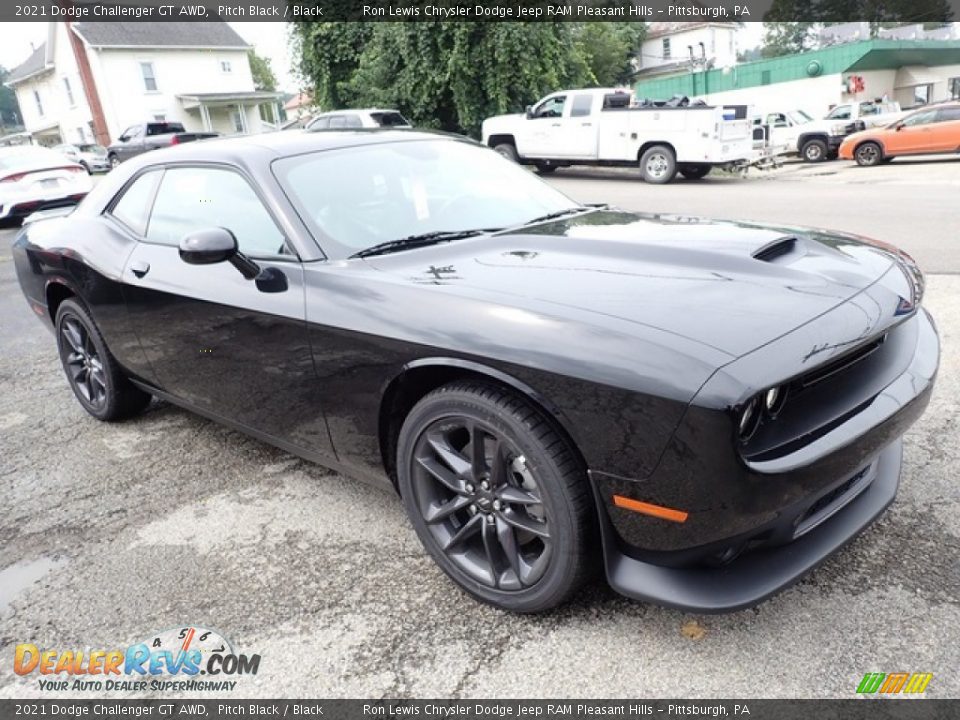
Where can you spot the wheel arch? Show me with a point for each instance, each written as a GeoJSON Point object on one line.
{"type": "Point", "coordinates": [875, 141]}
{"type": "Point", "coordinates": [807, 137]}
{"type": "Point", "coordinates": [56, 292]}
{"type": "Point", "coordinates": [422, 376]}
{"type": "Point", "coordinates": [500, 139]}
{"type": "Point", "coordinates": [653, 143]}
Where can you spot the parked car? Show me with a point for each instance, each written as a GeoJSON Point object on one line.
{"type": "Point", "coordinates": [138, 139]}
{"type": "Point", "coordinates": [92, 157]}
{"type": "Point", "coordinates": [34, 178]}
{"type": "Point", "coordinates": [367, 118]}
{"type": "Point", "coordinates": [819, 140]}
{"type": "Point", "coordinates": [599, 127]}
{"type": "Point", "coordinates": [927, 131]}
{"type": "Point", "coordinates": [551, 388]}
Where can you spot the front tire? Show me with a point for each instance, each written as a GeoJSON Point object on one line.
{"type": "Point", "coordinates": [508, 150]}
{"type": "Point", "coordinates": [93, 373]}
{"type": "Point", "coordinates": [114, 161]}
{"type": "Point", "coordinates": [497, 496]}
{"type": "Point", "coordinates": [814, 151]}
{"type": "Point", "coordinates": [545, 168]}
{"type": "Point", "coordinates": [86, 167]}
{"type": "Point", "coordinates": [868, 154]}
{"type": "Point", "coordinates": [658, 165]}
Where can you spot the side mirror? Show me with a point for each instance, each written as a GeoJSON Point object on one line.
{"type": "Point", "coordinates": [529, 111]}
{"type": "Point", "coordinates": [206, 247]}
{"type": "Point", "coordinates": [123, 138]}
{"type": "Point", "coordinates": [899, 127]}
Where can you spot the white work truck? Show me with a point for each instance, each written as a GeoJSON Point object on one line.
{"type": "Point", "coordinates": [818, 140]}
{"type": "Point", "coordinates": [606, 127]}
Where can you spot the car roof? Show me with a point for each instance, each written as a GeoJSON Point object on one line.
{"type": "Point", "coordinates": [357, 110]}
{"type": "Point", "coordinates": [287, 143]}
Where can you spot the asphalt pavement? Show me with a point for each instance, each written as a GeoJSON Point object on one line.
{"type": "Point", "coordinates": [111, 532]}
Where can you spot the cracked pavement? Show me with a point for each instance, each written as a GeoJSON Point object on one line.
{"type": "Point", "coordinates": [113, 531]}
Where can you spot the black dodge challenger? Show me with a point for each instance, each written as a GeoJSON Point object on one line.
{"type": "Point", "coordinates": [711, 408]}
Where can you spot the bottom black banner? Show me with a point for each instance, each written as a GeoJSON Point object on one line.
{"type": "Point", "coordinates": [853, 709]}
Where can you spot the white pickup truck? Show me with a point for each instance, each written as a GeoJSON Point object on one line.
{"type": "Point", "coordinates": [818, 140]}
{"type": "Point", "coordinates": [605, 127]}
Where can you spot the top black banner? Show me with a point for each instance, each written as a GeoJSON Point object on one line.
{"type": "Point", "coordinates": [911, 11]}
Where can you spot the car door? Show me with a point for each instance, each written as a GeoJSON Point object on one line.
{"type": "Point", "coordinates": [580, 128]}
{"type": "Point", "coordinates": [130, 142]}
{"type": "Point", "coordinates": [946, 130]}
{"type": "Point", "coordinates": [214, 339]}
{"type": "Point", "coordinates": [542, 131]}
{"type": "Point", "coordinates": [913, 135]}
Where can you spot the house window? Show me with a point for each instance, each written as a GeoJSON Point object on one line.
{"type": "Point", "coordinates": [66, 86]}
{"type": "Point", "coordinates": [666, 48]}
{"type": "Point", "coordinates": [953, 87]}
{"type": "Point", "coordinates": [36, 99]}
{"type": "Point", "coordinates": [160, 118]}
{"type": "Point", "coordinates": [149, 78]}
{"type": "Point", "coordinates": [921, 94]}
{"type": "Point", "coordinates": [225, 66]}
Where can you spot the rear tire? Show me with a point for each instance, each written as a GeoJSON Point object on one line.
{"type": "Point", "coordinates": [94, 375]}
{"type": "Point", "coordinates": [695, 172]}
{"type": "Point", "coordinates": [868, 154]}
{"type": "Point", "coordinates": [513, 524]}
{"type": "Point", "coordinates": [508, 150]}
{"type": "Point", "coordinates": [814, 151]}
{"type": "Point", "coordinates": [658, 165]}
{"type": "Point", "coordinates": [113, 160]}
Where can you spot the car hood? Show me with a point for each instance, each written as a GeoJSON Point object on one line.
{"type": "Point", "coordinates": [734, 287]}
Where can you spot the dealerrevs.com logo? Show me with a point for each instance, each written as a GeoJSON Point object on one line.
{"type": "Point", "coordinates": [176, 660]}
{"type": "Point", "coordinates": [894, 683]}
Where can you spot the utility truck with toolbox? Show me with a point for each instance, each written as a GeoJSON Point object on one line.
{"type": "Point", "coordinates": [606, 127]}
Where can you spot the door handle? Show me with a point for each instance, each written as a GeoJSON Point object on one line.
{"type": "Point", "coordinates": [139, 268]}
{"type": "Point", "coordinates": [556, 124]}
{"type": "Point", "coordinates": [586, 124]}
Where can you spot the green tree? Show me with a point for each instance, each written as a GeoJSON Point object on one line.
{"type": "Point", "coordinates": [9, 110]}
{"type": "Point", "coordinates": [453, 75]}
{"type": "Point", "coordinates": [263, 77]}
{"type": "Point", "coordinates": [786, 38]}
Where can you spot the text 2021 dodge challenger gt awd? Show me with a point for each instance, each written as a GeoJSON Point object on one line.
{"type": "Point", "coordinates": [714, 408]}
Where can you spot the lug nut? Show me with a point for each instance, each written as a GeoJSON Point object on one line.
{"type": "Point", "coordinates": [485, 485]}
{"type": "Point", "coordinates": [491, 519]}
{"type": "Point", "coordinates": [496, 505]}
{"type": "Point", "coordinates": [470, 488]}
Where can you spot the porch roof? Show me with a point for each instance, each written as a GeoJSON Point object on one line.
{"type": "Point", "coordinates": [194, 100]}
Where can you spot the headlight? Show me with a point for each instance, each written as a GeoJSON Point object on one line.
{"type": "Point", "coordinates": [774, 400]}
{"type": "Point", "coordinates": [839, 129]}
{"type": "Point", "coordinates": [914, 277]}
{"type": "Point", "coordinates": [749, 419]}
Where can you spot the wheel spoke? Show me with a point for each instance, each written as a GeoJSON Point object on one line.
{"type": "Point", "coordinates": [454, 460]}
{"type": "Point", "coordinates": [478, 451]}
{"type": "Point", "coordinates": [508, 543]}
{"type": "Point", "coordinates": [467, 530]}
{"type": "Point", "coordinates": [74, 358]}
{"type": "Point", "coordinates": [517, 496]}
{"type": "Point", "coordinates": [71, 333]}
{"type": "Point", "coordinates": [442, 512]}
{"type": "Point", "coordinates": [441, 473]}
{"type": "Point", "coordinates": [82, 379]}
{"type": "Point", "coordinates": [523, 521]}
{"type": "Point", "coordinates": [498, 468]}
{"type": "Point", "coordinates": [490, 544]}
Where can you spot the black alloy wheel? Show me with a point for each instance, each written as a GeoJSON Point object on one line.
{"type": "Point", "coordinates": [868, 154]}
{"type": "Point", "coordinates": [94, 375]}
{"type": "Point", "coordinates": [496, 497]}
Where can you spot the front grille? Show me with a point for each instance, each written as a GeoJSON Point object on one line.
{"type": "Point", "coordinates": [840, 364]}
{"type": "Point", "coordinates": [833, 501]}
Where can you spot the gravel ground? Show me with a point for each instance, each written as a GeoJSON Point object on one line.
{"type": "Point", "coordinates": [111, 532]}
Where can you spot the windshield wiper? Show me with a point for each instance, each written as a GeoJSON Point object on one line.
{"type": "Point", "coordinates": [422, 240]}
{"type": "Point", "coordinates": [562, 213]}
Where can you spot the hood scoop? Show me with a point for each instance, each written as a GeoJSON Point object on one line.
{"type": "Point", "coordinates": [778, 249]}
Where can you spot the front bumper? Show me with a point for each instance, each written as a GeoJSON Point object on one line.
{"type": "Point", "coordinates": [757, 575]}
{"type": "Point", "coordinates": [772, 519]}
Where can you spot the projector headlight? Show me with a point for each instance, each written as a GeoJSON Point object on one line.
{"type": "Point", "coordinates": [749, 419]}
{"type": "Point", "coordinates": [774, 400]}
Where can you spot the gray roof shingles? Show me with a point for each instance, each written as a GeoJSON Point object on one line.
{"type": "Point", "coordinates": [33, 64]}
{"type": "Point", "coordinates": [160, 34]}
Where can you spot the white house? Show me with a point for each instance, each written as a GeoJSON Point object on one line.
{"type": "Point", "coordinates": [676, 47]}
{"type": "Point", "coordinates": [90, 81]}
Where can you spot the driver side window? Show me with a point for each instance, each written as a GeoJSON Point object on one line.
{"type": "Point", "coordinates": [194, 198]}
{"type": "Point", "coordinates": [840, 113]}
{"type": "Point", "coordinates": [552, 108]}
{"type": "Point", "coordinates": [923, 118]}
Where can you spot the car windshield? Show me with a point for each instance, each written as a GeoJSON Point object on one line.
{"type": "Point", "coordinates": [358, 197]}
{"type": "Point", "coordinates": [389, 119]}
{"type": "Point", "coordinates": [799, 117]}
{"type": "Point", "coordinates": [95, 149]}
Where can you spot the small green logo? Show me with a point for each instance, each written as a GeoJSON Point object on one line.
{"type": "Point", "coordinates": [893, 683]}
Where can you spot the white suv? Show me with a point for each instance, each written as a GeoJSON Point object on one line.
{"type": "Point", "coordinates": [351, 119]}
